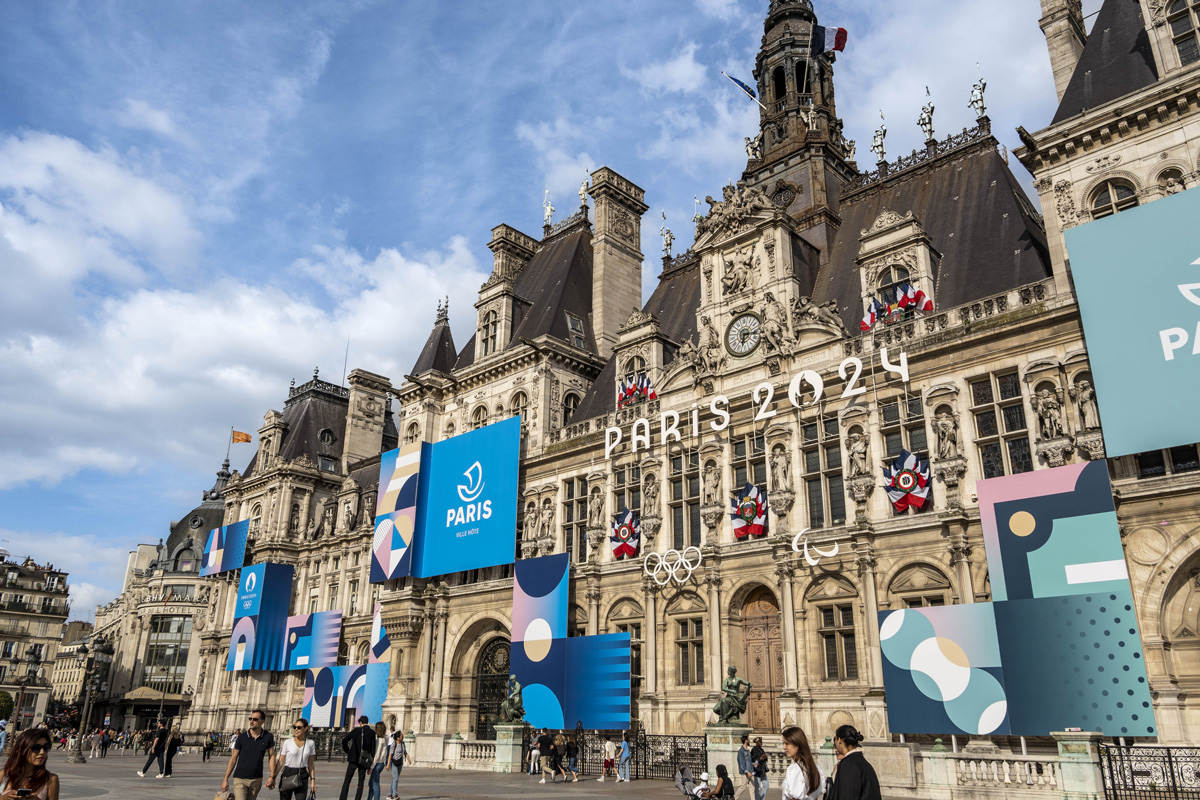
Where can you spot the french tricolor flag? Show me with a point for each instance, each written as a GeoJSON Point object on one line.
{"type": "Point", "coordinates": [872, 316]}
{"type": "Point", "coordinates": [825, 40]}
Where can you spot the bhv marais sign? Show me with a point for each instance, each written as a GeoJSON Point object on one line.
{"type": "Point", "coordinates": [1137, 278]}
{"type": "Point", "coordinates": [806, 389]}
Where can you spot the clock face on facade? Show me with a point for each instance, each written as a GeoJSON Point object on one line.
{"type": "Point", "coordinates": [743, 335]}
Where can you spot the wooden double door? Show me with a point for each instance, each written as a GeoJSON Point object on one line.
{"type": "Point", "coordinates": [762, 639]}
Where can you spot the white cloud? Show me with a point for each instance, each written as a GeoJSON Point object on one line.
{"type": "Point", "coordinates": [141, 115]}
{"type": "Point", "coordinates": [680, 73]}
{"type": "Point", "coordinates": [87, 560]}
{"type": "Point", "coordinates": [562, 166]}
{"type": "Point", "coordinates": [721, 9]}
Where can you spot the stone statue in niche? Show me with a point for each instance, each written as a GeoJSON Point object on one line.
{"type": "Point", "coordinates": [946, 431]}
{"type": "Point", "coordinates": [596, 510]}
{"type": "Point", "coordinates": [781, 479]}
{"type": "Point", "coordinates": [712, 356]}
{"type": "Point", "coordinates": [1049, 415]}
{"type": "Point", "coordinates": [856, 448]}
{"type": "Point", "coordinates": [531, 521]}
{"type": "Point", "coordinates": [1089, 412]}
{"type": "Point", "coordinates": [737, 274]}
{"type": "Point", "coordinates": [711, 485]}
{"type": "Point", "coordinates": [775, 325]}
{"type": "Point", "coordinates": [294, 519]}
{"type": "Point", "coordinates": [650, 495]}
{"type": "Point", "coordinates": [547, 518]}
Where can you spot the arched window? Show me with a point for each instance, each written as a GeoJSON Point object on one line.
{"type": "Point", "coordinates": [256, 519]}
{"type": "Point", "coordinates": [1170, 181]}
{"type": "Point", "coordinates": [1182, 17]}
{"type": "Point", "coordinates": [803, 77]}
{"type": "Point", "coordinates": [479, 418]}
{"type": "Point", "coordinates": [487, 333]}
{"type": "Point", "coordinates": [1111, 197]}
{"type": "Point", "coordinates": [891, 277]}
{"type": "Point", "coordinates": [519, 406]}
{"type": "Point", "coordinates": [412, 433]}
{"type": "Point", "coordinates": [635, 368]}
{"type": "Point", "coordinates": [779, 84]}
{"type": "Point", "coordinates": [185, 561]}
{"type": "Point", "coordinates": [449, 430]}
{"type": "Point", "coordinates": [570, 405]}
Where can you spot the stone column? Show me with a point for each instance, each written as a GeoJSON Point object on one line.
{"type": "Point", "coordinates": [713, 579]}
{"type": "Point", "coordinates": [783, 572]}
{"type": "Point", "coordinates": [954, 529]}
{"type": "Point", "coordinates": [426, 649]}
{"type": "Point", "coordinates": [593, 604]}
{"type": "Point", "coordinates": [1079, 764]}
{"type": "Point", "coordinates": [305, 506]}
{"type": "Point", "coordinates": [440, 656]}
{"type": "Point", "coordinates": [865, 559]}
{"type": "Point", "coordinates": [650, 648]}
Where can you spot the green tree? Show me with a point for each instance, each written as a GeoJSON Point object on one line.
{"type": "Point", "coordinates": [6, 705]}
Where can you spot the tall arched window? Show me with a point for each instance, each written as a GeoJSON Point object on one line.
{"type": "Point", "coordinates": [891, 277]}
{"type": "Point", "coordinates": [519, 406]}
{"type": "Point", "coordinates": [185, 561]}
{"type": "Point", "coordinates": [479, 418]}
{"type": "Point", "coordinates": [1183, 18]}
{"type": "Point", "coordinates": [1111, 197]}
{"type": "Point", "coordinates": [570, 405]}
{"type": "Point", "coordinates": [256, 519]}
{"type": "Point", "coordinates": [634, 368]}
{"type": "Point", "coordinates": [779, 84]}
{"type": "Point", "coordinates": [412, 433]}
{"type": "Point", "coordinates": [488, 329]}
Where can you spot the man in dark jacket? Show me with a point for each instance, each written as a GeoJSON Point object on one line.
{"type": "Point", "coordinates": [359, 747]}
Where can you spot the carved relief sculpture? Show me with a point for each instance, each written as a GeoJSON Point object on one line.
{"type": "Point", "coordinates": [596, 509]}
{"type": "Point", "coordinates": [1049, 415]}
{"type": "Point", "coordinates": [945, 428]}
{"type": "Point", "coordinates": [856, 448]}
{"type": "Point", "coordinates": [1089, 412]}
{"type": "Point", "coordinates": [650, 495]}
{"type": "Point", "coordinates": [738, 273]}
{"type": "Point", "coordinates": [775, 326]}
{"type": "Point", "coordinates": [712, 485]}
{"type": "Point", "coordinates": [781, 479]}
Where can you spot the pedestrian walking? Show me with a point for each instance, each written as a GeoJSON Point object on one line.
{"type": "Point", "coordinates": [610, 758]}
{"type": "Point", "coordinates": [759, 756]}
{"type": "Point", "coordinates": [545, 750]}
{"type": "Point", "coordinates": [535, 757]}
{"type": "Point", "coordinates": [399, 755]}
{"type": "Point", "coordinates": [560, 757]}
{"type": "Point", "coordinates": [157, 750]}
{"type": "Point", "coordinates": [25, 773]}
{"type": "Point", "coordinates": [105, 741]}
{"type": "Point", "coordinates": [379, 764]}
{"type": "Point", "coordinates": [573, 758]}
{"type": "Point", "coordinates": [3, 734]}
{"type": "Point", "coordinates": [298, 764]}
{"type": "Point", "coordinates": [246, 760]}
{"type": "Point", "coordinates": [173, 744]}
{"type": "Point", "coordinates": [745, 768]}
{"type": "Point", "coordinates": [803, 779]}
{"type": "Point", "coordinates": [853, 777]}
{"type": "Point", "coordinates": [626, 755]}
{"type": "Point", "coordinates": [359, 747]}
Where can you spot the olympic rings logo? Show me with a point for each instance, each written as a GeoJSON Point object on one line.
{"type": "Point", "coordinates": [670, 565]}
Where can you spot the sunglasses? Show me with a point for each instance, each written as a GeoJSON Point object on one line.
{"type": "Point", "coordinates": [256, 719]}
{"type": "Point", "coordinates": [39, 748]}
{"type": "Point", "coordinates": [298, 727]}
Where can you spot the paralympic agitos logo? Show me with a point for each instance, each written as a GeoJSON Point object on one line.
{"type": "Point", "coordinates": [473, 510]}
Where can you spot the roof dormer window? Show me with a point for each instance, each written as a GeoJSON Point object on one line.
{"type": "Point", "coordinates": [578, 335]}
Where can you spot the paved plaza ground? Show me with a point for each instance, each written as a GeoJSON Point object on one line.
{"type": "Point", "coordinates": [115, 777]}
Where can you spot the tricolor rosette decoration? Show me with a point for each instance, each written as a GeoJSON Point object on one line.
{"type": "Point", "coordinates": [749, 512]}
{"type": "Point", "coordinates": [907, 481]}
{"type": "Point", "coordinates": [626, 534]}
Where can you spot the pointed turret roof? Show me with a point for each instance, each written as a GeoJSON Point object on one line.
{"type": "Point", "coordinates": [439, 353]}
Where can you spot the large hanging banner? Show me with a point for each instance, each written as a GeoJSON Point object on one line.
{"type": "Point", "coordinates": [1137, 278]}
{"type": "Point", "coordinates": [225, 548]}
{"type": "Point", "coordinates": [260, 617]}
{"type": "Point", "coordinates": [336, 697]}
{"type": "Point", "coordinates": [460, 498]}
{"type": "Point", "coordinates": [1058, 648]}
{"type": "Point", "coordinates": [311, 640]}
{"type": "Point", "coordinates": [564, 680]}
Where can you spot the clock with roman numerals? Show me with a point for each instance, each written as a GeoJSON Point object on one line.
{"type": "Point", "coordinates": [744, 334]}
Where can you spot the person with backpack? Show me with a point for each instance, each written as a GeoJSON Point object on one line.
{"type": "Point", "coordinates": [758, 755]}
{"type": "Point", "coordinates": [359, 747]}
{"type": "Point", "coordinates": [105, 741]}
{"type": "Point", "coordinates": [399, 755]}
{"type": "Point", "coordinates": [174, 743]}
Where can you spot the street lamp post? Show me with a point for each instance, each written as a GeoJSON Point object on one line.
{"type": "Point", "coordinates": [92, 661]}
{"type": "Point", "coordinates": [31, 661]}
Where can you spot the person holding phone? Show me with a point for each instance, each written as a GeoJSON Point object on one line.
{"type": "Point", "coordinates": [25, 773]}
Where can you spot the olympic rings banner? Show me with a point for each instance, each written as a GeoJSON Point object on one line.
{"type": "Point", "coordinates": [672, 566]}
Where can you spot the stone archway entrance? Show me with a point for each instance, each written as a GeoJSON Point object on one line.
{"type": "Point", "coordinates": [491, 687]}
{"type": "Point", "coordinates": [763, 644]}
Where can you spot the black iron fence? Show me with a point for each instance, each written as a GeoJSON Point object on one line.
{"type": "Point", "coordinates": [1150, 773]}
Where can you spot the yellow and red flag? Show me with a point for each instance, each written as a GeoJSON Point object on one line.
{"type": "Point", "coordinates": [238, 436]}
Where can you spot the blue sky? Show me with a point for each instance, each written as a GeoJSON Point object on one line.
{"type": "Point", "coordinates": [202, 201]}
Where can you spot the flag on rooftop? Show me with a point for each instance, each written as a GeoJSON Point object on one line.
{"type": "Point", "coordinates": [825, 40]}
{"type": "Point", "coordinates": [238, 436]}
{"type": "Point", "coordinates": [749, 92]}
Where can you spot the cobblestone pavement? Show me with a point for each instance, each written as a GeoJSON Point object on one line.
{"type": "Point", "coordinates": [115, 777]}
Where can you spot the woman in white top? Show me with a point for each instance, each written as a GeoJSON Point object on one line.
{"type": "Point", "coordinates": [297, 762]}
{"type": "Point", "coordinates": [379, 763]}
{"type": "Point", "coordinates": [803, 780]}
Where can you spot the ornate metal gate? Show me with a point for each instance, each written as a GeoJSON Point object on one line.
{"type": "Point", "coordinates": [1161, 773]}
{"type": "Point", "coordinates": [491, 687]}
{"type": "Point", "coordinates": [762, 636]}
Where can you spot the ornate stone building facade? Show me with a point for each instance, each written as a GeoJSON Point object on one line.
{"type": "Point", "coordinates": [33, 608]}
{"type": "Point", "coordinates": [747, 341]}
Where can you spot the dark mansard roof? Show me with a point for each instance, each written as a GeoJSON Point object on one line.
{"type": "Point", "coordinates": [438, 354]}
{"type": "Point", "coordinates": [1116, 61]}
{"type": "Point", "coordinates": [976, 215]}
{"type": "Point", "coordinates": [557, 280]}
{"type": "Point", "coordinates": [314, 407]}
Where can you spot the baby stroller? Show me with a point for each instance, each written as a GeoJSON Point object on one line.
{"type": "Point", "coordinates": [684, 782]}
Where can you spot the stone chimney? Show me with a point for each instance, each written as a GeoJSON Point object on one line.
{"type": "Point", "coordinates": [1062, 22]}
{"type": "Point", "coordinates": [616, 255]}
{"type": "Point", "coordinates": [365, 418]}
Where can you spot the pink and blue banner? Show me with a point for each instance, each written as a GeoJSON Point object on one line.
{"type": "Point", "coordinates": [224, 549]}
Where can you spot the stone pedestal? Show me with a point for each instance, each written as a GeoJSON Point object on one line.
{"type": "Point", "coordinates": [723, 744]}
{"type": "Point", "coordinates": [508, 748]}
{"type": "Point", "coordinates": [430, 749]}
{"type": "Point", "coordinates": [1079, 764]}
{"type": "Point", "coordinates": [981, 745]}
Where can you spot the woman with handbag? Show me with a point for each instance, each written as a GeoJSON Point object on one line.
{"type": "Point", "coordinates": [297, 763]}
{"type": "Point", "coordinates": [379, 762]}
{"type": "Point", "coordinates": [399, 754]}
